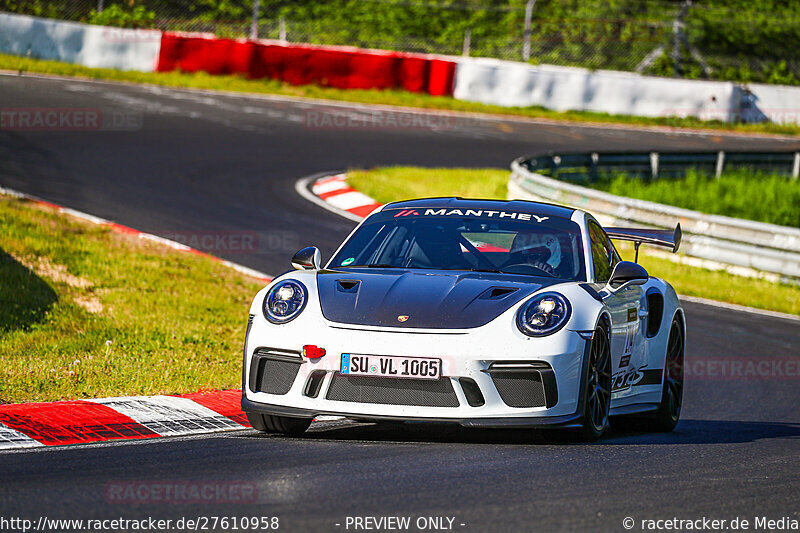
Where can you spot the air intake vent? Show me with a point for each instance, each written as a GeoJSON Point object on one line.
{"type": "Point", "coordinates": [314, 383]}
{"type": "Point", "coordinates": [525, 383]}
{"type": "Point", "coordinates": [274, 371]}
{"type": "Point", "coordinates": [347, 285]}
{"type": "Point", "coordinates": [520, 389]}
{"type": "Point", "coordinates": [655, 312]}
{"type": "Point", "coordinates": [472, 392]}
{"type": "Point", "coordinates": [497, 293]}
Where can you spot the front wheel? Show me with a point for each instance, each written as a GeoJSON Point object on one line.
{"type": "Point", "coordinates": [597, 388]}
{"type": "Point", "coordinates": [278, 424]}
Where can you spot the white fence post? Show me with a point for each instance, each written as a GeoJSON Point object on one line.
{"type": "Point", "coordinates": [467, 40]}
{"type": "Point", "coordinates": [526, 44]}
{"type": "Point", "coordinates": [254, 23]}
{"type": "Point", "coordinates": [282, 30]}
{"type": "Point", "coordinates": [654, 165]}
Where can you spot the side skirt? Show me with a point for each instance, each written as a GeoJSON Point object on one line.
{"type": "Point", "coordinates": [633, 409]}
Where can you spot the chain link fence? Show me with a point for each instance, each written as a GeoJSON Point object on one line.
{"type": "Point", "coordinates": [753, 41]}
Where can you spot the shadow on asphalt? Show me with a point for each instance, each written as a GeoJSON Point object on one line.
{"type": "Point", "coordinates": [687, 432]}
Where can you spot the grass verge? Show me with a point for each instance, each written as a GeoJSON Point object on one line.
{"type": "Point", "coordinates": [202, 80]}
{"type": "Point", "coordinates": [87, 312]}
{"type": "Point", "coordinates": [398, 183]}
{"type": "Point", "coordinates": [742, 194]}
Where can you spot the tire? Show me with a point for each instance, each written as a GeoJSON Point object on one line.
{"type": "Point", "coordinates": [597, 388]}
{"type": "Point", "coordinates": [669, 409]}
{"type": "Point", "coordinates": [278, 424]}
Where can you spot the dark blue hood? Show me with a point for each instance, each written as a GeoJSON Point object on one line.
{"type": "Point", "coordinates": [429, 298]}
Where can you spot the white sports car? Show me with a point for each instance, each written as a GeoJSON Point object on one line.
{"type": "Point", "coordinates": [479, 312]}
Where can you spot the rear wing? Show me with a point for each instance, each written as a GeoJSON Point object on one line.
{"type": "Point", "coordinates": [659, 237]}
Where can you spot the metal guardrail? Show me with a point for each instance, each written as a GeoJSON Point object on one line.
{"type": "Point", "coordinates": [744, 246]}
{"type": "Point", "coordinates": [655, 165]}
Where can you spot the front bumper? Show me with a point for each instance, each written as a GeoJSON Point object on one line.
{"type": "Point", "coordinates": [558, 363]}
{"type": "Point", "coordinates": [567, 421]}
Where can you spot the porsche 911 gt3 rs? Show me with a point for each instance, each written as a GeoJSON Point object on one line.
{"type": "Point", "coordinates": [478, 312]}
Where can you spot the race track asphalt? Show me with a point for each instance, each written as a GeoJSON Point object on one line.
{"type": "Point", "coordinates": [191, 164]}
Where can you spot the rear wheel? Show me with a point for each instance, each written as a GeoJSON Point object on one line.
{"type": "Point", "coordinates": [597, 388]}
{"type": "Point", "coordinates": [278, 424]}
{"type": "Point", "coordinates": [669, 410]}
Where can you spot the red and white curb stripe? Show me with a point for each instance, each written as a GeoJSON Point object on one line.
{"type": "Point", "coordinates": [119, 228]}
{"type": "Point", "coordinates": [334, 194]}
{"type": "Point", "coordinates": [32, 425]}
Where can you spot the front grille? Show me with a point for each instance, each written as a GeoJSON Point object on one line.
{"type": "Point", "coordinates": [392, 391]}
{"type": "Point", "coordinates": [274, 372]}
{"type": "Point", "coordinates": [520, 389]}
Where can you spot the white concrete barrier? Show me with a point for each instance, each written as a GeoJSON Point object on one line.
{"type": "Point", "coordinates": [513, 84]}
{"type": "Point", "coordinates": [491, 81]}
{"type": "Point", "coordinates": [777, 103]}
{"type": "Point", "coordinates": [82, 44]}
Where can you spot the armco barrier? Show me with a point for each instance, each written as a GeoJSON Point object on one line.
{"type": "Point", "coordinates": [298, 64]}
{"type": "Point", "coordinates": [658, 165]}
{"type": "Point", "coordinates": [742, 244]}
{"type": "Point", "coordinates": [82, 44]}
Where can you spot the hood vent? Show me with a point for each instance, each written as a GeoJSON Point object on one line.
{"type": "Point", "coordinates": [459, 300]}
{"type": "Point", "coordinates": [347, 285]}
{"type": "Point", "coordinates": [498, 293]}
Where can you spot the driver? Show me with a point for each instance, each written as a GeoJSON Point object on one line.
{"type": "Point", "coordinates": [542, 251]}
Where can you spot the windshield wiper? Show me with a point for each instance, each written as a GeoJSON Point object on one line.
{"type": "Point", "coordinates": [493, 271]}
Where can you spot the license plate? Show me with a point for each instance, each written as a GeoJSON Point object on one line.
{"type": "Point", "coordinates": [391, 367]}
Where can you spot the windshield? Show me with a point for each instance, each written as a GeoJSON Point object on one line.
{"type": "Point", "coordinates": [536, 246]}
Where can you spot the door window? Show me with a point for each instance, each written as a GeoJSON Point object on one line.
{"type": "Point", "coordinates": [604, 256]}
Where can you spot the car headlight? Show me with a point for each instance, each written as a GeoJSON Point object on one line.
{"type": "Point", "coordinates": [544, 314]}
{"type": "Point", "coordinates": [285, 301]}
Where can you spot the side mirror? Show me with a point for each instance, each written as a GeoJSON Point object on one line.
{"type": "Point", "coordinates": [627, 273]}
{"type": "Point", "coordinates": [307, 259]}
